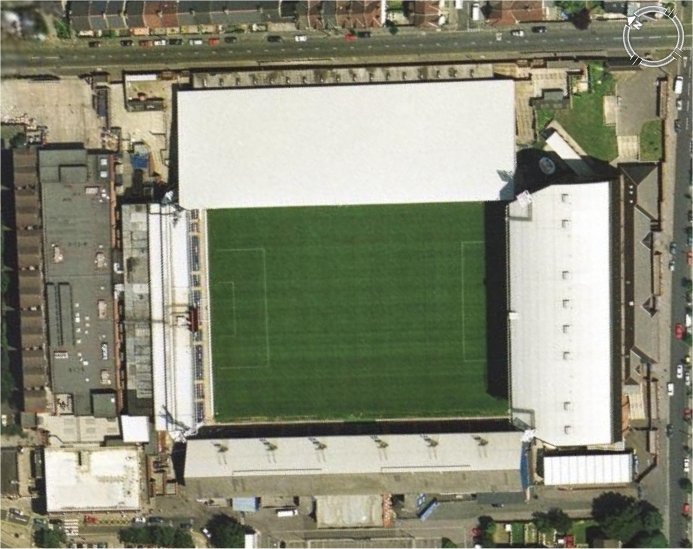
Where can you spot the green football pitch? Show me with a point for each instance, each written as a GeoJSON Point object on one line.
{"type": "Point", "coordinates": [358, 312]}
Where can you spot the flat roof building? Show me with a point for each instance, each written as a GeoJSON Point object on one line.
{"type": "Point", "coordinates": [560, 314]}
{"type": "Point", "coordinates": [75, 201]}
{"type": "Point", "coordinates": [96, 479]}
{"type": "Point", "coordinates": [420, 142]}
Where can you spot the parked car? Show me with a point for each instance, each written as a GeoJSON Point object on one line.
{"type": "Point", "coordinates": [159, 42]}
{"type": "Point", "coordinates": [206, 533]}
{"type": "Point", "coordinates": [673, 248]}
{"type": "Point", "coordinates": [155, 520]}
{"type": "Point", "coordinates": [670, 429]}
{"type": "Point", "coordinates": [146, 43]}
{"type": "Point", "coordinates": [518, 32]}
{"type": "Point", "coordinates": [687, 414]}
{"type": "Point", "coordinates": [363, 34]}
{"type": "Point", "coordinates": [688, 379]}
{"type": "Point", "coordinates": [679, 331]}
{"type": "Point", "coordinates": [350, 37]}
{"type": "Point", "coordinates": [231, 39]}
{"type": "Point", "coordinates": [670, 389]}
{"type": "Point", "coordinates": [139, 520]}
{"type": "Point", "coordinates": [679, 104]}
{"type": "Point", "coordinates": [4, 420]}
{"type": "Point", "coordinates": [214, 41]}
{"type": "Point", "coordinates": [672, 265]}
{"type": "Point", "coordinates": [679, 371]}
{"type": "Point", "coordinates": [686, 465]}
{"type": "Point", "coordinates": [686, 509]}
{"type": "Point", "coordinates": [94, 44]}
{"type": "Point", "coordinates": [274, 38]}
{"type": "Point", "coordinates": [539, 30]}
{"type": "Point", "coordinates": [175, 42]}
{"type": "Point", "coordinates": [677, 125]}
{"type": "Point", "coordinates": [195, 41]}
{"type": "Point", "coordinates": [127, 43]}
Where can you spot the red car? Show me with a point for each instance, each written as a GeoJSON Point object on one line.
{"type": "Point", "coordinates": [680, 330]}
{"type": "Point", "coordinates": [213, 41]}
{"type": "Point", "coordinates": [687, 412]}
{"type": "Point", "coordinates": [686, 509]}
{"type": "Point", "coordinates": [350, 37]}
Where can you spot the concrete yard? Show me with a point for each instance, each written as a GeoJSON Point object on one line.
{"type": "Point", "coordinates": [71, 119]}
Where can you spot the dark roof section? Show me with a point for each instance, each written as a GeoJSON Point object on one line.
{"type": "Point", "coordinates": [134, 14]}
{"type": "Point", "coordinates": [9, 472]}
{"type": "Point", "coordinates": [114, 15]}
{"type": "Point", "coordinates": [79, 16]}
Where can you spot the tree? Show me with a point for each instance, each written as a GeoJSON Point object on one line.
{"type": "Point", "coordinates": [582, 19]}
{"type": "Point", "coordinates": [686, 484]}
{"type": "Point", "coordinates": [226, 532]}
{"type": "Point", "coordinates": [18, 140]}
{"type": "Point", "coordinates": [488, 527]}
{"type": "Point", "coordinates": [553, 519]}
{"type": "Point", "coordinates": [649, 539]}
{"type": "Point", "coordinates": [393, 29]}
{"type": "Point", "coordinates": [183, 538]}
{"type": "Point", "coordinates": [625, 518]}
{"type": "Point", "coordinates": [45, 537]}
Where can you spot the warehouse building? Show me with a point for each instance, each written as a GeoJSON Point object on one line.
{"type": "Point", "coordinates": [95, 479]}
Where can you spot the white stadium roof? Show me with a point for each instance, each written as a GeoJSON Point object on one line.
{"type": "Point", "coordinates": [93, 479]}
{"type": "Point", "coordinates": [560, 314]}
{"type": "Point", "coordinates": [596, 469]}
{"type": "Point", "coordinates": [352, 455]}
{"type": "Point", "coordinates": [346, 144]}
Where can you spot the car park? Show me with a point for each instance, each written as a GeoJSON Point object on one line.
{"type": "Point", "coordinates": [127, 43]}
{"type": "Point", "coordinates": [300, 38]}
{"type": "Point", "coordinates": [175, 42]}
{"type": "Point", "coordinates": [679, 331]}
{"type": "Point", "coordinates": [518, 32]}
{"type": "Point", "coordinates": [670, 389]}
{"type": "Point", "coordinates": [679, 371]}
{"type": "Point", "coordinates": [231, 39]}
{"type": "Point", "coordinates": [94, 44]}
{"type": "Point", "coordinates": [274, 38]}
{"type": "Point", "coordinates": [539, 30]}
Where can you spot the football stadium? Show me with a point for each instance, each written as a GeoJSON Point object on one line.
{"type": "Point", "coordinates": [346, 286]}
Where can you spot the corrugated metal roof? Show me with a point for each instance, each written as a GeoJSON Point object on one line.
{"type": "Point", "coordinates": [595, 469]}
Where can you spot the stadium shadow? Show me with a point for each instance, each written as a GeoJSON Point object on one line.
{"type": "Point", "coordinates": [496, 300]}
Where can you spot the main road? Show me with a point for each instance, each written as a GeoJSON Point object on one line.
{"type": "Point", "coordinates": [680, 440]}
{"type": "Point", "coordinates": [64, 58]}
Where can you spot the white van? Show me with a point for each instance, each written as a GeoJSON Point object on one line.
{"type": "Point", "coordinates": [678, 85]}
{"type": "Point", "coordinates": [476, 12]}
{"type": "Point", "coordinates": [287, 512]}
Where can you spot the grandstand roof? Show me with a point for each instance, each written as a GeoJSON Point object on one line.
{"type": "Point", "coordinates": [349, 144]}
{"type": "Point", "coordinates": [352, 455]}
{"type": "Point", "coordinates": [560, 313]}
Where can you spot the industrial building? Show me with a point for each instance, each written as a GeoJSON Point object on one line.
{"type": "Point", "coordinates": [92, 479]}
{"type": "Point", "coordinates": [78, 271]}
